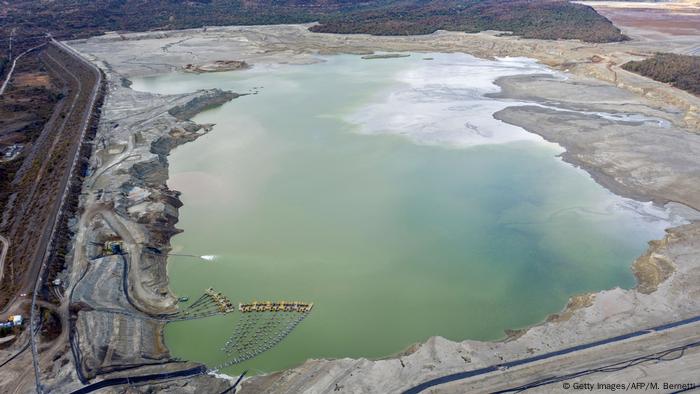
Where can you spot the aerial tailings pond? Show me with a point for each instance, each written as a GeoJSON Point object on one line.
{"type": "Point", "coordinates": [386, 193]}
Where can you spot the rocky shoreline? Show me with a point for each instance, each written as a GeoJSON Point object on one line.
{"type": "Point", "coordinates": [115, 297]}
{"type": "Point", "coordinates": [667, 273]}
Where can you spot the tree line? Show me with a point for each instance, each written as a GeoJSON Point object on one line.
{"type": "Point", "coordinates": [546, 19]}
{"type": "Point", "coordinates": [681, 71]}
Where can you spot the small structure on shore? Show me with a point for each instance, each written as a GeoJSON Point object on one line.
{"type": "Point", "coordinates": [113, 247]}
{"type": "Point", "coordinates": [12, 321]}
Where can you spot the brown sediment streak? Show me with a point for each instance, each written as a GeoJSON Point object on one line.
{"type": "Point", "coordinates": [653, 267]}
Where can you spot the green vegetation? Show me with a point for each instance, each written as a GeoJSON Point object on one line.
{"type": "Point", "coordinates": [548, 19]}
{"type": "Point", "coordinates": [527, 18]}
{"type": "Point", "coordinates": [681, 71]}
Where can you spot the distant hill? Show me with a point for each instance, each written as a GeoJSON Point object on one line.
{"type": "Point", "coordinates": [547, 19]}
{"type": "Point", "coordinates": [531, 19]}
{"type": "Point", "coordinates": [681, 71]}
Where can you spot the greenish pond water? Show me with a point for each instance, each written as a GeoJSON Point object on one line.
{"type": "Point", "coordinates": [386, 193]}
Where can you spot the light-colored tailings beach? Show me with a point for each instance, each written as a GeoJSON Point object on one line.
{"type": "Point", "coordinates": [384, 191]}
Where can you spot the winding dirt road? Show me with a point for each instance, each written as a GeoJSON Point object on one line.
{"type": "Point", "coordinates": [12, 69]}
{"type": "Point", "coordinates": [3, 254]}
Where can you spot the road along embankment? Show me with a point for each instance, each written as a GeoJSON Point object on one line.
{"type": "Point", "coordinates": [45, 178]}
{"type": "Point", "coordinates": [111, 298]}
{"type": "Point", "coordinates": [46, 187]}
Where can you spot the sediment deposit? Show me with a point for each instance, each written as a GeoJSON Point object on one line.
{"type": "Point", "coordinates": [216, 66]}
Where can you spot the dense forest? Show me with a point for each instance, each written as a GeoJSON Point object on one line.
{"type": "Point", "coordinates": [550, 19]}
{"type": "Point", "coordinates": [681, 71]}
{"type": "Point", "coordinates": [526, 18]}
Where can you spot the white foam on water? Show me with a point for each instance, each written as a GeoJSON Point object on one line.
{"type": "Point", "coordinates": [443, 102]}
{"type": "Point", "coordinates": [220, 375]}
{"type": "Point", "coordinates": [649, 214]}
{"type": "Point", "coordinates": [209, 257]}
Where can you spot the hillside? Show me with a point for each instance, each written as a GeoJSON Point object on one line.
{"type": "Point", "coordinates": [681, 71]}
{"type": "Point", "coordinates": [550, 19]}
{"type": "Point", "coordinates": [527, 18]}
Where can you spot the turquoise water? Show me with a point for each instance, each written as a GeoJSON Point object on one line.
{"type": "Point", "coordinates": [350, 183]}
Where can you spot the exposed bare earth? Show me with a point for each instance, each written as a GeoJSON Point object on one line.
{"type": "Point", "coordinates": [126, 196]}
{"type": "Point", "coordinates": [650, 19]}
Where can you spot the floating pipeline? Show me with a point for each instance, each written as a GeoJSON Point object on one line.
{"type": "Point", "coordinates": [280, 306]}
